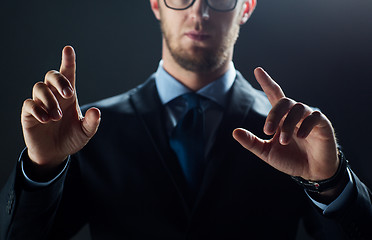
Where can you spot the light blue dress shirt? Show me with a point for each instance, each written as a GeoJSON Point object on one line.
{"type": "Point", "coordinates": [213, 101]}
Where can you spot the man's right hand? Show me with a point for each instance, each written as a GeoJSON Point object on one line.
{"type": "Point", "coordinates": [52, 122]}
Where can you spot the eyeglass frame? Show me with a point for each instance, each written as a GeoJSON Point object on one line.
{"type": "Point", "coordinates": [206, 1]}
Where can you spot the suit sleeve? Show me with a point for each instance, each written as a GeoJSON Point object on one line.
{"type": "Point", "coordinates": [29, 213]}
{"type": "Point", "coordinates": [352, 221]}
{"type": "Point", "coordinates": [356, 217]}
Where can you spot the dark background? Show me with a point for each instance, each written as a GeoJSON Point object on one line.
{"type": "Point", "coordinates": [320, 52]}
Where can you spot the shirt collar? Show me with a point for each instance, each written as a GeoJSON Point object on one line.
{"type": "Point", "coordinates": [169, 88]}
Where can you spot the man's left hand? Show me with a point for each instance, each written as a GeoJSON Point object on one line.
{"type": "Point", "coordinates": [303, 142]}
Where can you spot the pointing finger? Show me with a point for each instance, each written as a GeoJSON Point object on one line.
{"type": "Point", "coordinates": [269, 86]}
{"type": "Point", "coordinates": [68, 64]}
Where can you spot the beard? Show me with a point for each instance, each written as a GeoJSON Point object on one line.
{"type": "Point", "coordinates": [199, 59]}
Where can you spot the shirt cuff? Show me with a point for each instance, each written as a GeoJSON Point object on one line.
{"type": "Point", "coordinates": [34, 184]}
{"type": "Point", "coordinates": [339, 201]}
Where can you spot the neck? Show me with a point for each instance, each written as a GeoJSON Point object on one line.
{"type": "Point", "coordinates": [193, 80]}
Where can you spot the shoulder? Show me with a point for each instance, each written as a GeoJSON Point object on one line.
{"type": "Point", "coordinates": [120, 103]}
{"type": "Point", "coordinates": [259, 101]}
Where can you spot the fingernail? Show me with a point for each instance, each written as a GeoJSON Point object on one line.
{"type": "Point", "coordinates": [57, 114]}
{"type": "Point", "coordinates": [44, 118]}
{"type": "Point", "coordinates": [68, 50]}
{"type": "Point", "coordinates": [283, 138]}
{"type": "Point", "coordinates": [67, 91]}
{"type": "Point", "coordinates": [269, 127]}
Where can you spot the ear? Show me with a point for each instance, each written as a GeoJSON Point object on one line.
{"type": "Point", "coordinates": [155, 8]}
{"type": "Point", "coordinates": [249, 6]}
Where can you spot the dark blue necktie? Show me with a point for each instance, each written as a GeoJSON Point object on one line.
{"type": "Point", "coordinates": [187, 141]}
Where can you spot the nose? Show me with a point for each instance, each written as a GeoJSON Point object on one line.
{"type": "Point", "coordinates": [200, 10]}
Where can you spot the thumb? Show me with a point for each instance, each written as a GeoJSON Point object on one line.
{"type": "Point", "coordinates": [91, 122]}
{"type": "Point", "coordinates": [250, 141]}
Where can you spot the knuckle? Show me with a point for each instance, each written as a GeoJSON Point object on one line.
{"type": "Point", "coordinates": [26, 103]}
{"type": "Point", "coordinates": [316, 114]}
{"type": "Point", "coordinates": [38, 86]}
{"type": "Point", "coordinates": [51, 73]}
{"type": "Point", "coordinates": [283, 106]}
{"type": "Point", "coordinates": [55, 79]}
{"type": "Point", "coordinates": [285, 100]}
{"type": "Point", "coordinates": [299, 107]}
{"type": "Point", "coordinates": [319, 116]}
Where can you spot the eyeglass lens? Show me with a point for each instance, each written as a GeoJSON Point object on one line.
{"type": "Point", "coordinates": [218, 5]}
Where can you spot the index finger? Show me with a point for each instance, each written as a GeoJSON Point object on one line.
{"type": "Point", "coordinates": [273, 91]}
{"type": "Point", "coordinates": [68, 64]}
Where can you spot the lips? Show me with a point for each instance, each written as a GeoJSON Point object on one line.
{"type": "Point", "coordinates": [198, 36]}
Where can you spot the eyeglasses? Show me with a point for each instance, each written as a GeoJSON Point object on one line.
{"type": "Point", "coordinates": [217, 5]}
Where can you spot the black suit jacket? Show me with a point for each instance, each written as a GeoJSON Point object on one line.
{"type": "Point", "coordinates": [127, 184]}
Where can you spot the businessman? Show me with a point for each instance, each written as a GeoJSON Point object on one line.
{"type": "Point", "coordinates": [162, 164]}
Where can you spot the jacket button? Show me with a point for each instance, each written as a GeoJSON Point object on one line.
{"type": "Point", "coordinates": [11, 195]}
{"type": "Point", "coordinates": [8, 209]}
{"type": "Point", "coordinates": [9, 206]}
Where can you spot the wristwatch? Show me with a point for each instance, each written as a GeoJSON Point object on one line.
{"type": "Point", "coordinates": [330, 183]}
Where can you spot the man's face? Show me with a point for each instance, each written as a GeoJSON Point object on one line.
{"type": "Point", "coordinates": [200, 39]}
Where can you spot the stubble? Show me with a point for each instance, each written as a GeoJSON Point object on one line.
{"type": "Point", "coordinates": [201, 59]}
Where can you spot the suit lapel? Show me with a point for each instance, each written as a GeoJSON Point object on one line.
{"type": "Point", "coordinates": [240, 102]}
{"type": "Point", "coordinates": [151, 113]}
